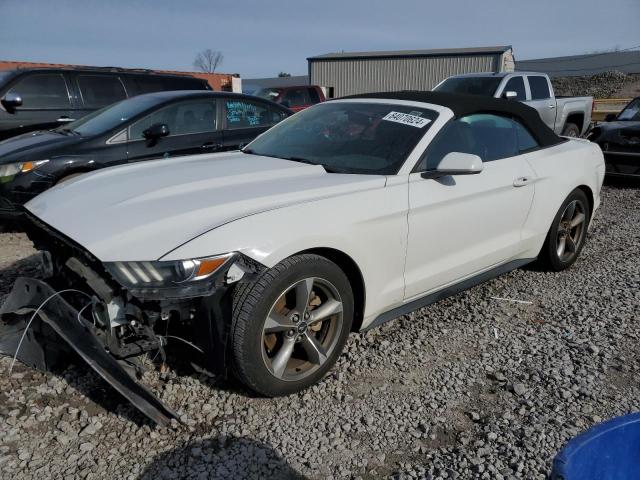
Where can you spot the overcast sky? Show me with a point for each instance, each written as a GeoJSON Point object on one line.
{"type": "Point", "coordinates": [261, 38]}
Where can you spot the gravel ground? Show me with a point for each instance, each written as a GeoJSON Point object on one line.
{"type": "Point", "coordinates": [471, 387]}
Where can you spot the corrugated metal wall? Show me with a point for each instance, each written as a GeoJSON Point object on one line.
{"type": "Point", "coordinates": [352, 76]}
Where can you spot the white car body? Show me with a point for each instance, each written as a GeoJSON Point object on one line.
{"type": "Point", "coordinates": [409, 236]}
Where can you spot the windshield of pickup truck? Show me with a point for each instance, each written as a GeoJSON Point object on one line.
{"type": "Point", "coordinates": [268, 93]}
{"type": "Point", "coordinates": [485, 86]}
{"type": "Point", "coordinates": [107, 118]}
{"type": "Point", "coordinates": [631, 111]}
{"type": "Point", "coordinates": [348, 137]}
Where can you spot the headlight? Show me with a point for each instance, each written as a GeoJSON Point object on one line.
{"type": "Point", "coordinates": [181, 278]}
{"type": "Point", "coordinates": [12, 169]}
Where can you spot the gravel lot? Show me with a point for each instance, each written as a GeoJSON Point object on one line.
{"type": "Point", "coordinates": [471, 387]}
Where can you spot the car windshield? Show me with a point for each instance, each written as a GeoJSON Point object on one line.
{"type": "Point", "coordinates": [5, 75]}
{"type": "Point", "coordinates": [631, 111]}
{"type": "Point", "coordinates": [348, 137]}
{"type": "Point", "coordinates": [268, 93]}
{"type": "Point", "coordinates": [110, 117]}
{"type": "Point", "coordinates": [485, 86]}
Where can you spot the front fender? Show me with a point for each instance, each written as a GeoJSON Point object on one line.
{"type": "Point", "coordinates": [368, 226]}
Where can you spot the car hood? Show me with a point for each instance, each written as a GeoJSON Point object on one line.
{"type": "Point", "coordinates": [35, 146]}
{"type": "Point", "coordinates": [143, 211]}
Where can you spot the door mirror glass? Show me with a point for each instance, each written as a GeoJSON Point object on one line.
{"type": "Point", "coordinates": [610, 117]}
{"type": "Point", "coordinates": [156, 131]}
{"type": "Point", "coordinates": [11, 101]}
{"type": "Point", "coordinates": [510, 95]}
{"type": "Point", "coordinates": [456, 163]}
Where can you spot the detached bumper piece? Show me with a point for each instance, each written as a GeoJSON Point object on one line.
{"type": "Point", "coordinates": [42, 348]}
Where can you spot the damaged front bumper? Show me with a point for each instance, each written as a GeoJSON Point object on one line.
{"type": "Point", "coordinates": [121, 323]}
{"type": "Point", "coordinates": [56, 319]}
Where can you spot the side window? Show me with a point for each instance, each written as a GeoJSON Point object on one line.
{"type": "Point", "coordinates": [100, 90]}
{"type": "Point", "coordinates": [42, 90]}
{"type": "Point", "coordinates": [196, 116]}
{"type": "Point", "coordinates": [525, 139]}
{"type": "Point", "coordinates": [313, 96]}
{"type": "Point", "coordinates": [491, 137]}
{"type": "Point", "coordinates": [539, 88]}
{"type": "Point", "coordinates": [516, 84]}
{"type": "Point", "coordinates": [296, 97]}
{"type": "Point", "coordinates": [455, 136]}
{"type": "Point", "coordinates": [148, 84]}
{"type": "Point", "coordinates": [247, 114]}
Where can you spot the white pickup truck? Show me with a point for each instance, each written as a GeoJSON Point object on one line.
{"type": "Point", "coordinates": [567, 116]}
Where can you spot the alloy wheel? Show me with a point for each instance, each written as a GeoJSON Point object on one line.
{"type": "Point", "coordinates": [302, 329]}
{"type": "Point", "coordinates": [571, 231]}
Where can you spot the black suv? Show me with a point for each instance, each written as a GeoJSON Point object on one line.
{"type": "Point", "coordinates": [44, 98]}
{"type": "Point", "coordinates": [150, 126]}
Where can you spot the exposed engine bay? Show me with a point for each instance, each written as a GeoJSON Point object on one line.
{"type": "Point", "coordinates": [81, 307]}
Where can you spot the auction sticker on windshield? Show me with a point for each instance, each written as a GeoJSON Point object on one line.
{"type": "Point", "coordinates": [407, 119]}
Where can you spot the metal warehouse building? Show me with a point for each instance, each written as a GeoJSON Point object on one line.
{"type": "Point", "coordinates": [362, 72]}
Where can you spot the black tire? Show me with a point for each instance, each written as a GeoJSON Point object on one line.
{"type": "Point", "coordinates": [252, 302]}
{"type": "Point", "coordinates": [570, 130]}
{"type": "Point", "coordinates": [549, 256]}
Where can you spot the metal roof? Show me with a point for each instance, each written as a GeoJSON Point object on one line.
{"type": "Point", "coordinates": [588, 64]}
{"type": "Point", "coordinates": [438, 52]}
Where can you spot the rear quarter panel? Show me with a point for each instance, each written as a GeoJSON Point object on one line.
{"type": "Point", "coordinates": [559, 170]}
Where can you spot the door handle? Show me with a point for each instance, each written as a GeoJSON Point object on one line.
{"type": "Point", "coordinates": [65, 119]}
{"type": "Point", "coordinates": [552, 106]}
{"type": "Point", "coordinates": [211, 146]}
{"type": "Point", "coordinates": [521, 181]}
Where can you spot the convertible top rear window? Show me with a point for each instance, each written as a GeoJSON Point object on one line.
{"type": "Point", "coordinates": [346, 137]}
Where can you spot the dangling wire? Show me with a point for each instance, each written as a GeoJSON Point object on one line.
{"type": "Point", "coordinates": [185, 341]}
{"type": "Point", "coordinates": [24, 334]}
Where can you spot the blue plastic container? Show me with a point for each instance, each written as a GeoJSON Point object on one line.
{"type": "Point", "coordinates": [608, 451]}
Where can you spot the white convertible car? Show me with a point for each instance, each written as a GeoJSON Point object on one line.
{"type": "Point", "coordinates": [260, 262]}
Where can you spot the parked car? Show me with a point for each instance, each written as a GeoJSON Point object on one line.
{"type": "Point", "coordinates": [619, 138]}
{"type": "Point", "coordinates": [342, 217]}
{"type": "Point", "coordinates": [154, 125]}
{"type": "Point", "coordinates": [44, 98]}
{"type": "Point", "coordinates": [295, 98]}
{"type": "Point", "coordinates": [567, 116]}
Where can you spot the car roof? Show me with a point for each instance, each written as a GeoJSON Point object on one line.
{"type": "Point", "coordinates": [494, 74]}
{"type": "Point", "coordinates": [462, 105]}
{"type": "Point", "coordinates": [170, 95]}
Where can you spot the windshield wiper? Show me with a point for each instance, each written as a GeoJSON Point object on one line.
{"type": "Point", "coordinates": [68, 131]}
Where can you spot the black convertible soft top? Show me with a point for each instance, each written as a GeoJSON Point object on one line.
{"type": "Point", "coordinates": [463, 105]}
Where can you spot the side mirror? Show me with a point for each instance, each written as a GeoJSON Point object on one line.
{"type": "Point", "coordinates": [10, 101]}
{"type": "Point", "coordinates": [610, 117]}
{"type": "Point", "coordinates": [510, 95]}
{"type": "Point", "coordinates": [156, 131]}
{"type": "Point", "coordinates": [456, 163]}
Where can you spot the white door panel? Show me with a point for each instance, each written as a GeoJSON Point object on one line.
{"type": "Point", "coordinates": [464, 224]}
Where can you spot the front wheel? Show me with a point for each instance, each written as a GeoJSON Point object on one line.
{"type": "Point", "coordinates": [290, 325]}
{"type": "Point", "coordinates": [568, 233]}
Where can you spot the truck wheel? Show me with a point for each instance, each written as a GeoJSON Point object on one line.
{"type": "Point", "coordinates": [570, 130]}
{"type": "Point", "coordinates": [290, 325]}
{"type": "Point", "coordinates": [567, 234]}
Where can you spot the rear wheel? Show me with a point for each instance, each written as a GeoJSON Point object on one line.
{"type": "Point", "coordinates": [290, 325]}
{"type": "Point", "coordinates": [568, 232]}
{"type": "Point", "coordinates": [571, 130]}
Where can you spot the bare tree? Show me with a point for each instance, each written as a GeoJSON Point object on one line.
{"type": "Point", "coordinates": [208, 60]}
{"type": "Point", "coordinates": [284, 74]}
